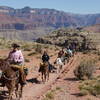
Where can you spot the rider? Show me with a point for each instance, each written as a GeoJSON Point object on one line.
{"type": "Point", "coordinates": [45, 57]}
{"type": "Point", "coordinates": [69, 51]}
{"type": "Point", "coordinates": [16, 57]}
{"type": "Point", "coordinates": [61, 53]}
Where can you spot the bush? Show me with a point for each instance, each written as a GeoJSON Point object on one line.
{"type": "Point", "coordinates": [83, 92]}
{"type": "Point", "coordinates": [49, 96]}
{"type": "Point", "coordinates": [91, 86]}
{"type": "Point", "coordinates": [85, 69]}
{"type": "Point", "coordinates": [38, 48]}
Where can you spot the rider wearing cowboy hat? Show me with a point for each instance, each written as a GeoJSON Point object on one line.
{"type": "Point", "coordinates": [16, 58]}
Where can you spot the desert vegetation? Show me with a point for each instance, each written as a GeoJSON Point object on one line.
{"type": "Point", "coordinates": [90, 87]}
{"type": "Point", "coordinates": [85, 69]}
{"type": "Point", "coordinates": [86, 46]}
{"type": "Point", "coordinates": [86, 72]}
{"type": "Point", "coordinates": [84, 40]}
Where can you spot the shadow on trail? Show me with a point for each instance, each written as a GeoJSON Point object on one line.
{"type": "Point", "coordinates": [77, 94]}
{"type": "Point", "coordinates": [3, 95]}
{"type": "Point", "coordinates": [33, 80]}
{"type": "Point", "coordinates": [71, 79]}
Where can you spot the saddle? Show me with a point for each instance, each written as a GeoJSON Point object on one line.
{"type": "Point", "coordinates": [20, 68]}
{"type": "Point", "coordinates": [43, 66]}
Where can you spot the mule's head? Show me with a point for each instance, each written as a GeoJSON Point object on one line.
{"type": "Point", "coordinates": [3, 64]}
{"type": "Point", "coordinates": [41, 64]}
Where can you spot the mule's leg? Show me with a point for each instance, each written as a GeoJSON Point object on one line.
{"type": "Point", "coordinates": [61, 67]}
{"type": "Point", "coordinates": [48, 74]}
{"type": "Point", "coordinates": [16, 91]}
{"type": "Point", "coordinates": [21, 91]}
{"type": "Point", "coordinates": [64, 61]}
{"type": "Point", "coordinates": [10, 94]}
{"type": "Point", "coordinates": [45, 77]}
{"type": "Point", "coordinates": [57, 69]}
{"type": "Point", "coordinates": [68, 59]}
{"type": "Point", "coordinates": [42, 76]}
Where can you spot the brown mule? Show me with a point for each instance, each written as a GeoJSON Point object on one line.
{"type": "Point", "coordinates": [11, 78]}
{"type": "Point", "coordinates": [44, 69]}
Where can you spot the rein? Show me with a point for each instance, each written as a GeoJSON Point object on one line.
{"type": "Point", "coordinates": [14, 78]}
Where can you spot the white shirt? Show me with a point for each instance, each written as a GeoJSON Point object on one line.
{"type": "Point", "coordinates": [59, 61]}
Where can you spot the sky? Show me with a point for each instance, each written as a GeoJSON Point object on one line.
{"type": "Point", "coordinates": [73, 6]}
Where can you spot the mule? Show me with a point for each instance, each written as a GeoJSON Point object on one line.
{"type": "Point", "coordinates": [44, 69]}
{"type": "Point", "coordinates": [59, 64]}
{"type": "Point", "coordinates": [11, 78]}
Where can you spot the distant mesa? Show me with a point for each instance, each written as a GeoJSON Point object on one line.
{"type": "Point", "coordinates": [30, 18]}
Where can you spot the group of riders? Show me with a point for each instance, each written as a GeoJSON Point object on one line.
{"type": "Point", "coordinates": [16, 57]}
{"type": "Point", "coordinates": [63, 55]}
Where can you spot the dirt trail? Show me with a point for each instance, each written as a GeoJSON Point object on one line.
{"type": "Point", "coordinates": [68, 84]}
{"type": "Point", "coordinates": [34, 91]}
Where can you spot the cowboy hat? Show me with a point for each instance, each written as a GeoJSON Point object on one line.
{"type": "Point", "coordinates": [14, 45]}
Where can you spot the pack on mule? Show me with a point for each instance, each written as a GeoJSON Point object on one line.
{"type": "Point", "coordinates": [11, 78]}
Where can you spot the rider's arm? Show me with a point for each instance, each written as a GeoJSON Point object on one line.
{"type": "Point", "coordinates": [21, 58]}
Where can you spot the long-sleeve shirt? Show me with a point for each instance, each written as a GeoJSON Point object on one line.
{"type": "Point", "coordinates": [16, 56]}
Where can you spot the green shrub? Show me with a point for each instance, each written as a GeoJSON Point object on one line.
{"type": "Point", "coordinates": [96, 89]}
{"type": "Point", "coordinates": [91, 86]}
{"type": "Point", "coordinates": [85, 69]}
{"type": "Point", "coordinates": [49, 96]}
{"type": "Point", "coordinates": [83, 92]}
{"type": "Point", "coordinates": [58, 88]}
{"type": "Point", "coordinates": [38, 48]}
{"type": "Point", "coordinates": [98, 52]}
